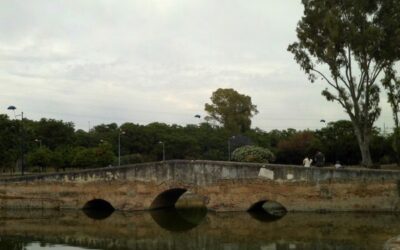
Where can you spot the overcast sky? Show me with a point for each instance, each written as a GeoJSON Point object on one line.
{"type": "Point", "coordinates": [103, 61]}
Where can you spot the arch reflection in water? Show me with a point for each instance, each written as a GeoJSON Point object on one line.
{"type": "Point", "coordinates": [266, 211]}
{"type": "Point", "coordinates": [167, 199]}
{"type": "Point", "coordinates": [179, 220]}
{"type": "Point", "coordinates": [98, 209]}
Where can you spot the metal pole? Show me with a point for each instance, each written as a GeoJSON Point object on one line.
{"type": "Point", "coordinates": [163, 151]}
{"type": "Point", "coordinates": [22, 143]}
{"type": "Point", "coordinates": [229, 149]}
{"type": "Point", "coordinates": [119, 148]}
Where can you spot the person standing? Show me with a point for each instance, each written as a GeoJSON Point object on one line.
{"type": "Point", "coordinates": [319, 159]}
{"type": "Point", "coordinates": [307, 162]}
{"type": "Point", "coordinates": [338, 165]}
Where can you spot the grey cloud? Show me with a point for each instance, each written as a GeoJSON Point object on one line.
{"type": "Point", "coordinates": [143, 61]}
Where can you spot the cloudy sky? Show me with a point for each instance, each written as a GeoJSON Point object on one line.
{"type": "Point", "coordinates": [103, 61]}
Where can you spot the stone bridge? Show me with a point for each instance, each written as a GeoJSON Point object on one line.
{"type": "Point", "coordinates": [220, 186]}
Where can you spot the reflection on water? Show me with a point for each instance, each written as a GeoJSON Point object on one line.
{"type": "Point", "coordinates": [178, 220]}
{"type": "Point", "coordinates": [264, 217]}
{"type": "Point", "coordinates": [48, 229]}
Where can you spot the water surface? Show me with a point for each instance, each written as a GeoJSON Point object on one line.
{"type": "Point", "coordinates": [197, 229]}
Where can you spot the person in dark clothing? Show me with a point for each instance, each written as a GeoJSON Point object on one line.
{"type": "Point", "coordinates": [319, 159]}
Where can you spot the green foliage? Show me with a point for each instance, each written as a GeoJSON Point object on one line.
{"type": "Point", "coordinates": [356, 40]}
{"type": "Point", "coordinates": [296, 147]}
{"type": "Point", "coordinates": [339, 143]}
{"type": "Point", "coordinates": [231, 109]}
{"type": "Point", "coordinates": [140, 143]}
{"type": "Point", "coordinates": [130, 159]}
{"type": "Point", "coordinates": [392, 85]}
{"type": "Point", "coordinates": [104, 155]}
{"type": "Point", "coordinates": [252, 154]}
{"type": "Point", "coordinates": [54, 133]}
{"type": "Point", "coordinates": [9, 142]}
{"type": "Point", "coordinates": [85, 158]}
{"type": "Point", "coordinates": [41, 157]}
{"type": "Point", "coordinates": [100, 156]}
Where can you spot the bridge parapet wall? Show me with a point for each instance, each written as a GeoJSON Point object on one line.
{"type": "Point", "coordinates": [208, 172]}
{"type": "Point", "coordinates": [223, 186]}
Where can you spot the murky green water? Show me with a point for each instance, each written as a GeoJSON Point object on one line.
{"type": "Point", "coordinates": [75, 230]}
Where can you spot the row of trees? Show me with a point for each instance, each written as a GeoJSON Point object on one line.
{"type": "Point", "coordinates": [61, 146]}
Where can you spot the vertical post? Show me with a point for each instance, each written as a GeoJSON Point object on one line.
{"type": "Point", "coordinates": [119, 148]}
{"type": "Point", "coordinates": [120, 132]}
{"type": "Point", "coordinates": [22, 143]}
{"type": "Point", "coordinates": [40, 142]}
{"type": "Point", "coordinates": [163, 151]}
{"type": "Point", "coordinates": [229, 149]}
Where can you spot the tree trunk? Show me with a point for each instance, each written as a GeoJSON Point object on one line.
{"type": "Point", "coordinates": [363, 143]}
{"type": "Point", "coordinates": [365, 155]}
{"type": "Point", "coordinates": [396, 136]}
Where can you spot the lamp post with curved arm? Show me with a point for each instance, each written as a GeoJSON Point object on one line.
{"type": "Point", "coordinates": [229, 147]}
{"type": "Point", "coordinates": [120, 132]}
{"type": "Point", "coordinates": [39, 141]}
{"type": "Point", "coordinates": [163, 149]}
{"type": "Point", "coordinates": [13, 108]}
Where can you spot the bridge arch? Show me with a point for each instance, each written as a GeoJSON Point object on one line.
{"type": "Point", "coordinates": [98, 209]}
{"type": "Point", "coordinates": [267, 207]}
{"type": "Point", "coordinates": [168, 198]}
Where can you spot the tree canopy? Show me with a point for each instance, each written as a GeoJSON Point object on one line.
{"type": "Point", "coordinates": [231, 109]}
{"type": "Point", "coordinates": [140, 143]}
{"type": "Point", "coordinates": [356, 40]}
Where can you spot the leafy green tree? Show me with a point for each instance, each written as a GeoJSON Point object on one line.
{"type": "Point", "coordinates": [85, 139]}
{"type": "Point", "coordinates": [339, 143]}
{"type": "Point", "coordinates": [253, 154]}
{"type": "Point", "coordinates": [212, 142]}
{"type": "Point", "coordinates": [41, 157]}
{"type": "Point", "coordinates": [63, 157]}
{"type": "Point", "coordinates": [9, 142]}
{"type": "Point", "coordinates": [130, 159]}
{"type": "Point", "coordinates": [382, 148]}
{"type": "Point", "coordinates": [392, 85]}
{"type": "Point", "coordinates": [134, 140]}
{"type": "Point", "coordinates": [85, 158]}
{"type": "Point", "coordinates": [106, 132]}
{"type": "Point", "coordinates": [231, 109]}
{"type": "Point", "coordinates": [104, 154]}
{"type": "Point", "coordinates": [356, 40]}
{"type": "Point", "coordinates": [293, 149]}
{"type": "Point", "coordinates": [54, 133]}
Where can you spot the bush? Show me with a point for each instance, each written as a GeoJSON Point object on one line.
{"type": "Point", "coordinates": [85, 158]}
{"type": "Point", "coordinates": [40, 157]}
{"type": "Point", "coordinates": [253, 154]}
{"type": "Point", "coordinates": [130, 159]}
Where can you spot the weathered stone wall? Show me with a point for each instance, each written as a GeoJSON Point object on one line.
{"type": "Point", "coordinates": [223, 186]}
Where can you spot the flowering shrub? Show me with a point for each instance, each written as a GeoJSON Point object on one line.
{"type": "Point", "coordinates": [253, 154]}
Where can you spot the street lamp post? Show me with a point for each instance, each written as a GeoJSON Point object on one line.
{"type": "Point", "coordinates": [40, 142]}
{"type": "Point", "coordinates": [163, 149]}
{"type": "Point", "coordinates": [229, 147]}
{"type": "Point", "coordinates": [198, 117]}
{"type": "Point", "coordinates": [13, 108]}
{"type": "Point", "coordinates": [119, 145]}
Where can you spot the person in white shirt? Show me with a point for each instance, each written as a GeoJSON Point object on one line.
{"type": "Point", "coordinates": [307, 162]}
{"type": "Point", "coordinates": [338, 165]}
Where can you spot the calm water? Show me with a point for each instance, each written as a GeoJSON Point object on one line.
{"type": "Point", "coordinates": [77, 230]}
